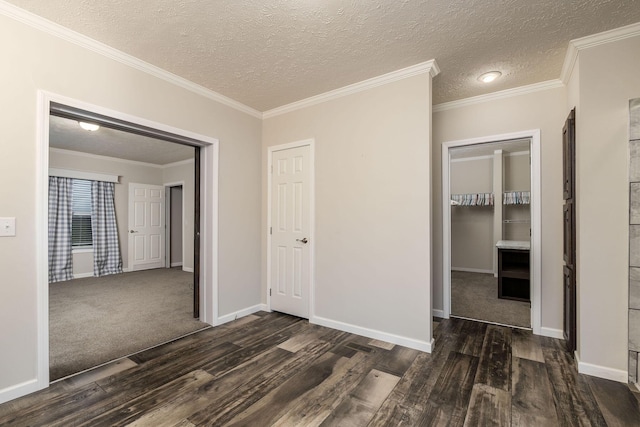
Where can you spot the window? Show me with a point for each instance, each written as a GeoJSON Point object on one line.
{"type": "Point", "coordinates": [81, 221]}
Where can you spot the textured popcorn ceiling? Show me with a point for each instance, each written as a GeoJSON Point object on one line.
{"type": "Point", "coordinates": [267, 53]}
{"type": "Point", "coordinates": [66, 134]}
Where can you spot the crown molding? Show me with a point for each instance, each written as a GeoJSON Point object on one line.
{"type": "Point", "coordinates": [430, 67]}
{"type": "Point", "coordinates": [576, 45]}
{"type": "Point", "coordinates": [81, 40]}
{"type": "Point", "coordinates": [570, 59]}
{"type": "Point", "coordinates": [507, 93]}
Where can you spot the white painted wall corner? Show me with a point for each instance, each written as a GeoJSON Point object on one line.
{"type": "Point", "coordinates": [425, 346]}
{"type": "Point", "coordinates": [240, 313]}
{"type": "Point", "coordinates": [19, 390]}
{"type": "Point", "coordinates": [551, 333]}
{"type": "Point", "coordinates": [601, 371]}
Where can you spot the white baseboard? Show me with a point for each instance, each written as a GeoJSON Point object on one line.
{"type": "Point", "coordinates": [472, 270]}
{"type": "Point", "coordinates": [90, 274]}
{"type": "Point", "coordinates": [551, 333]}
{"type": "Point", "coordinates": [437, 313]}
{"type": "Point", "coordinates": [371, 333]}
{"type": "Point", "coordinates": [602, 371]}
{"type": "Point", "coordinates": [19, 390]}
{"type": "Point", "coordinates": [126, 270]}
{"type": "Point", "coordinates": [240, 313]}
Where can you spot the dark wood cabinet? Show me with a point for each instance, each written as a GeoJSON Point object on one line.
{"type": "Point", "coordinates": [569, 235]}
{"type": "Point", "coordinates": [569, 224]}
{"type": "Point", "coordinates": [514, 274]}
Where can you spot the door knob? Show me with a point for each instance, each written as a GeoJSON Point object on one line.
{"type": "Point", "coordinates": [132, 231]}
{"type": "Point", "coordinates": [305, 241]}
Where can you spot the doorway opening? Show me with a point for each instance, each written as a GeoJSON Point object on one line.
{"type": "Point", "coordinates": [201, 285]}
{"type": "Point", "coordinates": [491, 229]}
{"type": "Point", "coordinates": [175, 225]}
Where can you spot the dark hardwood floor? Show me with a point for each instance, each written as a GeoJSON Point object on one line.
{"type": "Point", "coordinates": [273, 369]}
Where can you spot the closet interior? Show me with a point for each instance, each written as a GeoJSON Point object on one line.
{"type": "Point", "coordinates": [490, 186]}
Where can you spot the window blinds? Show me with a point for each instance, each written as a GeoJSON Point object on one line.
{"type": "Point", "coordinates": [81, 222]}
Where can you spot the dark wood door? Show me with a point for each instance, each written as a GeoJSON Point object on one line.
{"type": "Point", "coordinates": [196, 237]}
{"type": "Point", "coordinates": [569, 223]}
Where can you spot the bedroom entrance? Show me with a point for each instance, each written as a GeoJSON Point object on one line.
{"type": "Point", "coordinates": [103, 306]}
{"type": "Point", "coordinates": [491, 229]}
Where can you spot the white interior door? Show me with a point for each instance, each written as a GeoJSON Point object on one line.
{"type": "Point", "coordinates": [146, 226]}
{"type": "Point", "coordinates": [290, 204]}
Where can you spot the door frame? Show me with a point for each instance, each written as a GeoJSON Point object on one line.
{"type": "Point", "coordinates": [167, 218]}
{"type": "Point", "coordinates": [312, 240]}
{"type": "Point", "coordinates": [536, 219]}
{"type": "Point", "coordinates": [208, 228]}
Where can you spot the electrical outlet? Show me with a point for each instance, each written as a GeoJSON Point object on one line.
{"type": "Point", "coordinates": [7, 227]}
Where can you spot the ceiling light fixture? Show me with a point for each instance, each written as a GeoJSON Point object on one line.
{"type": "Point", "coordinates": [489, 77]}
{"type": "Point", "coordinates": [91, 127]}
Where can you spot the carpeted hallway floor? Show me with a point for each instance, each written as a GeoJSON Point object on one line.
{"type": "Point", "coordinates": [95, 320]}
{"type": "Point", "coordinates": [475, 296]}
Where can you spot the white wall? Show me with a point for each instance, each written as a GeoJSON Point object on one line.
{"type": "Point", "coordinates": [472, 226]}
{"type": "Point", "coordinates": [372, 208]}
{"type": "Point", "coordinates": [544, 110]}
{"type": "Point", "coordinates": [473, 175]}
{"type": "Point", "coordinates": [517, 176]}
{"type": "Point", "coordinates": [36, 60]}
{"type": "Point", "coordinates": [609, 75]}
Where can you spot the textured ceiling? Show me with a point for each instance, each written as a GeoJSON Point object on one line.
{"type": "Point", "coordinates": [269, 53]}
{"type": "Point", "coordinates": [67, 135]}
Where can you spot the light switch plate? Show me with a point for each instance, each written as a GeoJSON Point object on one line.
{"type": "Point", "coordinates": [7, 227]}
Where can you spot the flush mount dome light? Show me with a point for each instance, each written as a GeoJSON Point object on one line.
{"type": "Point", "coordinates": [489, 77]}
{"type": "Point", "coordinates": [91, 127]}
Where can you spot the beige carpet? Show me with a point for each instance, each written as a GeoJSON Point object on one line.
{"type": "Point", "coordinates": [95, 320]}
{"type": "Point", "coordinates": [475, 296]}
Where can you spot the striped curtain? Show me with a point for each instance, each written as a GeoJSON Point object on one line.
{"type": "Point", "coordinates": [104, 230]}
{"type": "Point", "coordinates": [60, 219]}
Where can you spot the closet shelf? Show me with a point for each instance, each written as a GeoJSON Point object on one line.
{"type": "Point", "coordinates": [472, 199]}
{"type": "Point", "coordinates": [516, 221]}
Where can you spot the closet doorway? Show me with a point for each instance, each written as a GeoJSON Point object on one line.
{"type": "Point", "coordinates": [491, 214]}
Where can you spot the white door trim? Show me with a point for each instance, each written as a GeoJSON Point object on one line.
{"type": "Point", "coordinates": [312, 240]}
{"type": "Point", "coordinates": [208, 228]}
{"type": "Point", "coordinates": [536, 220]}
{"type": "Point", "coordinates": [167, 189]}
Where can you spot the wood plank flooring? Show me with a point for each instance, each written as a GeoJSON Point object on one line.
{"type": "Point", "coordinates": [271, 369]}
